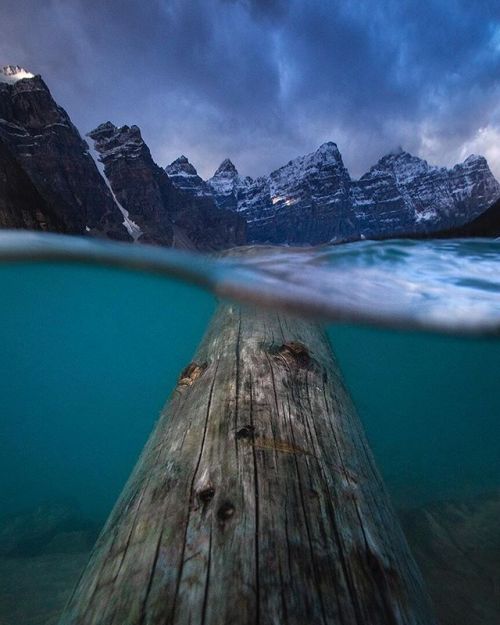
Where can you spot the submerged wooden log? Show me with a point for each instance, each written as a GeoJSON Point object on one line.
{"type": "Point", "coordinates": [256, 499]}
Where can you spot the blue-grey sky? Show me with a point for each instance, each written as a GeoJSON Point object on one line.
{"type": "Point", "coordinates": [265, 81]}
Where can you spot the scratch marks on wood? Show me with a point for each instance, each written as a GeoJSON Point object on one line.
{"type": "Point", "coordinates": [284, 447]}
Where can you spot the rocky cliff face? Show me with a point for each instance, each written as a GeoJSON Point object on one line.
{"type": "Point", "coordinates": [403, 194]}
{"type": "Point", "coordinates": [139, 185]}
{"type": "Point", "coordinates": [306, 201]}
{"type": "Point", "coordinates": [21, 206]}
{"type": "Point", "coordinates": [48, 178]}
{"type": "Point", "coordinates": [47, 146]}
{"type": "Point", "coordinates": [163, 213]}
{"type": "Point", "coordinates": [487, 224]}
{"type": "Point", "coordinates": [185, 177]}
{"type": "Point", "coordinates": [313, 199]}
{"type": "Point", "coordinates": [310, 200]}
{"type": "Point", "coordinates": [227, 185]}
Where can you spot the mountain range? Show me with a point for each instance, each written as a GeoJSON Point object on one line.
{"type": "Point", "coordinates": [313, 199]}
{"type": "Point", "coordinates": [50, 181]}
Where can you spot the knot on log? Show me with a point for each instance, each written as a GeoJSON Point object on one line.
{"type": "Point", "coordinates": [191, 373]}
{"type": "Point", "coordinates": [225, 512]}
{"type": "Point", "coordinates": [206, 494]}
{"type": "Point", "coordinates": [295, 354]}
{"type": "Point", "coordinates": [247, 431]}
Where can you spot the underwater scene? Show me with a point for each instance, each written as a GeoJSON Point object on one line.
{"type": "Point", "coordinates": [93, 341]}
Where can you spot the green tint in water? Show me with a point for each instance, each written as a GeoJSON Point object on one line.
{"type": "Point", "coordinates": [430, 405]}
{"type": "Point", "coordinates": [88, 357]}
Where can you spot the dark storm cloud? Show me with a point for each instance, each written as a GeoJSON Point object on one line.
{"type": "Point", "coordinates": [263, 81]}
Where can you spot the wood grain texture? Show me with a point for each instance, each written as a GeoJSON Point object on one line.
{"type": "Point", "coordinates": [256, 499]}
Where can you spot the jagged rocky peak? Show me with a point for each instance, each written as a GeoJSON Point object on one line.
{"type": "Point", "coordinates": [403, 165]}
{"type": "Point", "coordinates": [474, 158]}
{"type": "Point", "coordinates": [316, 175]}
{"type": "Point", "coordinates": [40, 135]}
{"type": "Point", "coordinates": [12, 73]}
{"type": "Point", "coordinates": [327, 155]}
{"type": "Point", "coordinates": [181, 167]}
{"type": "Point", "coordinates": [326, 160]}
{"type": "Point", "coordinates": [164, 213]}
{"type": "Point", "coordinates": [185, 177]}
{"type": "Point", "coordinates": [25, 100]}
{"type": "Point", "coordinates": [474, 161]}
{"type": "Point", "coordinates": [395, 156]}
{"type": "Point", "coordinates": [227, 185]}
{"type": "Point", "coordinates": [117, 142]}
{"type": "Point", "coordinates": [141, 188]}
{"type": "Point", "coordinates": [474, 180]}
{"type": "Point", "coordinates": [410, 196]}
{"type": "Point", "coordinates": [226, 170]}
{"type": "Point", "coordinates": [227, 177]}
{"type": "Point", "coordinates": [329, 152]}
{"type": "Point", "coordinates": [406, 167]}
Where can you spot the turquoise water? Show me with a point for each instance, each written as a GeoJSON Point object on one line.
{"type": "Point", "coordinates": [88, 358]}
{"type": "Point", "coordinates": [430, 405]}
{"type": "Point", "coordinates": [90, 353]}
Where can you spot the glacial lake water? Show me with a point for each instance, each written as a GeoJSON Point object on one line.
{"type": "Point", "coordinates": [90, 353]}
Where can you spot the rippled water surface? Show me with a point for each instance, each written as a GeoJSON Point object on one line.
{"type": "Point", "coordinates": [450, 286]}
{"type": "Point", "coordinates": [90, 353]}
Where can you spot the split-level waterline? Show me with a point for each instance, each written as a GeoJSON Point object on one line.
{"type": "Point", "coordinates": [257, 498]}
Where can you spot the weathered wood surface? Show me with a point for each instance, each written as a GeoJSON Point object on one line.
{"type": "Point", "coordinates": [256, 499]}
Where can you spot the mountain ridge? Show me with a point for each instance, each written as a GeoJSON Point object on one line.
{"type": "Point", "coordinates": [163, 213]}
{"type": "Point", "coordinates": [134, 200]}
{"type": "Point", "coordinates": [313, 199]}
{"type": "Point", "coordinates": [48, 147]}
{"type": "Point", "coordinates": [310, 200]}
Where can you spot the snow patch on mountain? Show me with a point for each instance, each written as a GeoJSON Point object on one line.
{"type": "Point", "coordinates": [12, 73]}
{"type": "Point", "coordinates": [312, 199]}
{"type": "Point", "coordinates": [132, 228]}
{"type": "Point", "coordinates": [185, 177]}
{"type": "Point", "coordinates": [114, 142]}
{"type": "Point", "coordinates": [227, 180]}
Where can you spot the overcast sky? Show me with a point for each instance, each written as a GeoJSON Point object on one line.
{"type": "Point", "coordinates": [265, 81]}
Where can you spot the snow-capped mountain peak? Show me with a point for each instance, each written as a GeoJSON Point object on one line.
{"type": "Point", "coordinates": [312, 199]}
{"type": "Point", "coordinates": [328, 151]}
{"type": "Point", "coordinates": [403, 165]}
{"type": "Point", "coordinates": [12, 73]}
{"type": "Point", "coordinates": [226, 169]}
{"type": "Point", "coordinates": [181, 167]}
{"type": "Point", "coordinates": [473, 159]}
{"type": "Point", "coordinates": [227, 185]}
{"type": "Point", "coordinates": [112, 141]}
{"type": "Point", "coordinates": [184, 176]}
{"type": "Point", "coordinates": [326, 156]}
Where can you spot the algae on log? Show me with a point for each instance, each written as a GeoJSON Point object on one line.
{"type": "Point", "coordinates": [256, 499]}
